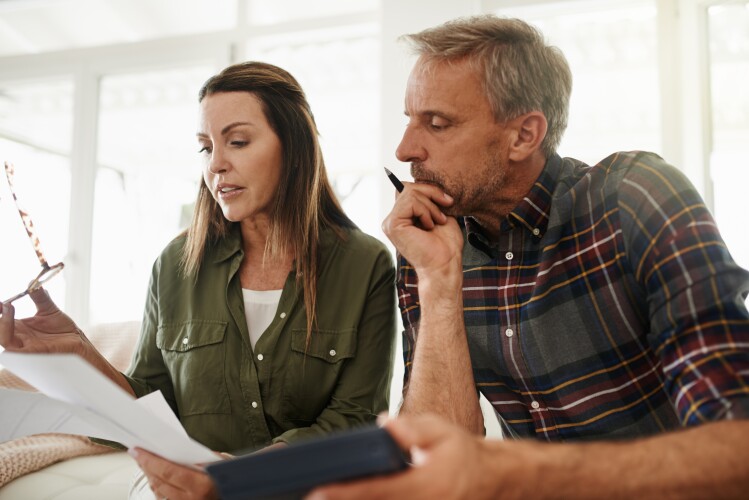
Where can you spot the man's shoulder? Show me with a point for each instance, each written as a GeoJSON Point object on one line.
{"type": "Point", "coordinates": [643, 170]}
{"type": "Point", "coordinates": [625, 164]}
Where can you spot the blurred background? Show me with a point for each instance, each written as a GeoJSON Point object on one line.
{"type": "Point", "coordinates": [98, 112]}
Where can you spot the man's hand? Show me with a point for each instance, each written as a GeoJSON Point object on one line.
{"type": "Point", "coordinates": [447, 463]}
{"type": "Point", "coordinates": [426, 237]}
{"type": "Point", "coordinates": [48, 331]}
{"type": "Point", "coordinates": [174, 481]}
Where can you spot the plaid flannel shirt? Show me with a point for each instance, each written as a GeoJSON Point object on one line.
{"type": "Point", "coordinates": [609, 307]}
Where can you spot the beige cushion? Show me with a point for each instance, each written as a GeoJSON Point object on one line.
{"type": "Point", "coordinates": [82, 478]}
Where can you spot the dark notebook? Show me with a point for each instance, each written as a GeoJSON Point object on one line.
{"type": "Point", "coordinates": [292, 472]}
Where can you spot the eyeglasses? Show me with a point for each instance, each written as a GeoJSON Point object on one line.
{"type": "Point", "coordinates": [47, 272]}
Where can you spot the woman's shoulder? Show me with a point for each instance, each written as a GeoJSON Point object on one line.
{"type": "Point", "coordinates": [354, 241]}
{"type": "Point", "coordinates": [172, 252]}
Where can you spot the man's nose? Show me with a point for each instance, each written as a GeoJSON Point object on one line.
{"type": "Point", "coordinates": [410, 148]}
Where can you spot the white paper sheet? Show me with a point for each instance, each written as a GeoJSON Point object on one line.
{"type": "Point", "coordinates": [109, 411]}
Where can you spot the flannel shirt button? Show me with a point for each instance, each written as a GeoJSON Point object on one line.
{"type": "Point", "coordinates": [260, 357]}
{"type": "Point", "coordinates": [283, 315]}
{"type": "Point", "coordinates": [536, 231]}
{"type": "Point", "coordinates": [254, 404]}
{"type": "Point", "coordinates": [509, 255]}
{"type": "Point", "coordinates": [535, 405]}
{"type": "Point", "coordinates": [509, 332]}
{"type": "Point", "coordinates": [184, 341]}
{"type": "Point", "coordinates": [332, 352]}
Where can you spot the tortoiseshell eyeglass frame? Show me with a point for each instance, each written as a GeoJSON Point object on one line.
{"type": "Point", "coordinates": [48, 271]}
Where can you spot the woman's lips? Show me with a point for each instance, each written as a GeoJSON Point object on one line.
{"type": "Point", "coordinates": [227, 191]}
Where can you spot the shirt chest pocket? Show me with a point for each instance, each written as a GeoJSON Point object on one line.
{"type": "Point", "coordinates": [313, 371]}
{"type": "Point", "coordinates": [195, 353]}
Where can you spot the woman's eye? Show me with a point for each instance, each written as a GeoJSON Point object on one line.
{"type": "Point", "coordinates": [205, 149]}
{"type": "Point", "coordinates": [239, 144]}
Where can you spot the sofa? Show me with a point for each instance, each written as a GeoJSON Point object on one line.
{"type": "Point", "coordinates": [61, 466]}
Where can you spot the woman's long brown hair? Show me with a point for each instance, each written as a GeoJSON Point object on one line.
{"type": "Point", "coordinates": [304, 202]}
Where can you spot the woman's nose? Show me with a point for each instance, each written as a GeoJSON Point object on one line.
{"type": "Point", "coordinates": [218, 163]}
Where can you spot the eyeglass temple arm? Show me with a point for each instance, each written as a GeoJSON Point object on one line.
{"type": "Point", "coordinates": [25, 218]}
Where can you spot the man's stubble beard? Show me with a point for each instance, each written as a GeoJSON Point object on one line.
{"type": "Point", "coordinates": [472, 191]}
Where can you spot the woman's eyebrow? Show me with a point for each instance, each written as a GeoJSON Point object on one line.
{"type": "Point", "coordinates": [228, 128]}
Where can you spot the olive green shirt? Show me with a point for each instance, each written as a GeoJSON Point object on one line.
{"type": "Point", "coordinates": [195, 348]}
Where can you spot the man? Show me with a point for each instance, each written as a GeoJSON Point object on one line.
{"type": "Point", "coordinates": [586, 303]}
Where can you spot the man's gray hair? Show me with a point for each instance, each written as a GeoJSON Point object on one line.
{"type": "Point", "coordinates": [519, 71]}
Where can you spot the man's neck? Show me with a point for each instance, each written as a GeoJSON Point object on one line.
{"type": "Point", "coordinates": [520, 179]}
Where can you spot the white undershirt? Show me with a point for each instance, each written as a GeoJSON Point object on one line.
{"type": "Point", "coordinates": [259, 310]}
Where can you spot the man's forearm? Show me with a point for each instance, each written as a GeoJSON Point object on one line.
{"type": "Point", "coordinates": [709, 461]}
{"type": "Point", "coordinates": [441, 379]}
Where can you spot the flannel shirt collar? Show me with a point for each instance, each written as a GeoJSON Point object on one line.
{"type": "Point", "coordinates": [532, 212]}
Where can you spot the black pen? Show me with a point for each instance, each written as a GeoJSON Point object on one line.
{"type": "Point", "coordinates": [398, 184]}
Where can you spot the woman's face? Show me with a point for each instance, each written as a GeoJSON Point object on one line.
{"type": "Point", "coordinates": [242, 154]}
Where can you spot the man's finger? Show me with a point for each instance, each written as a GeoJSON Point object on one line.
{"type": "Point", "coordinates": [434, 193]}
{"type": "Point", "coordinates": [422, 431]}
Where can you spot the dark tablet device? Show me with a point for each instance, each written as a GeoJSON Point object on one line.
{"type": "Point", "coordinates": [292, 472]}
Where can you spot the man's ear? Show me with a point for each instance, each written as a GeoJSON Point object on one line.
{"type": "Point", "coordinates": [529, 132]}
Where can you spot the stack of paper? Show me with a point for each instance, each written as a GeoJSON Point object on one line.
{"type": "Point", "coordinates": [77, 399]}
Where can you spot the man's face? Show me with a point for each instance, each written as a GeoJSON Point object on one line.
{"type": "Point", "coordinates": [452, 139]}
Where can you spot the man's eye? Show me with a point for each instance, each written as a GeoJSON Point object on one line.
{"type": "Point", "coordinates": [438, 124]}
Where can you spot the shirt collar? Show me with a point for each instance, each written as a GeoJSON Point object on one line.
{"type": "Point", "coordinates": [229, 245]}
{"type": "Point", "coordinates": [532, 212]}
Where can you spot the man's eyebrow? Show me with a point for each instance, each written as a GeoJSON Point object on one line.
{"type": "Point", "coordinates": [228, 128]}
{"type": "Point", "coordinates": [429, 113]}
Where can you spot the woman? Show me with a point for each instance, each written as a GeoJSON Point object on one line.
{"type": "Point", "coordinates": [272, 318]}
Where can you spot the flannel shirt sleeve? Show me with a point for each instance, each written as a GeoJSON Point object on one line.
{"type": "Point", "coordinates": [699, 325]}
{"type": "Point", "coordinates": [408, 303]}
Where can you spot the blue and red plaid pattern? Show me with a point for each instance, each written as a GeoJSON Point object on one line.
{"type": "Point", "coordinates": [609, 307]}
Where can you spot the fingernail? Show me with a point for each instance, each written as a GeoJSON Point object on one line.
{"type": "Point", "coordinates": [315, 495]}
{"type": "Point", "coordinates": [448, 197]}
{"type": "Point", "coordinates": [382, 419]}
{"type": "Point", "coordinates": [133, 453]}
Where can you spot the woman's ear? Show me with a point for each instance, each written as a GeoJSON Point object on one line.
{"type": "Point", "coordinates": [530, 131]}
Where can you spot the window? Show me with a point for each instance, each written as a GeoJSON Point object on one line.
{"type": "Point", "coordinates": [147, 179]}
{"type": "Point", "coordinates": [338, 70]}
{"type": "Point", "coordinates": [728, 39]}
{"type": "Point", "coordinates": [611, 47]}
{"type": "Point", "coordinates": [35, 135]}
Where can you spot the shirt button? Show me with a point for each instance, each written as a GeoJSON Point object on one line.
{"type": "Point", "coordinates": [283, 315]}
{"type": "Point", "coordinates": [509, 332]}
{"type": "Point", "coordinates": [184, 341]}
{"type": "Point", "coordinates": [536, 231]}
{"type": "Point", "coordinates": [260, 357]}
{"type": "Point", "coordinates": [332, 352]}
{"type": "Point", "coordinates": [254, 404]}
{"type": "Point", "coordinates": [535, 405]}
{"type": "Point", "coordinates": [509, 256]}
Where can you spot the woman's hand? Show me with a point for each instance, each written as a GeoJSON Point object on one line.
{"type": "Point", "coordinates": [48, 331]}
{"type": "Point", "coordinates": [173, 481]}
